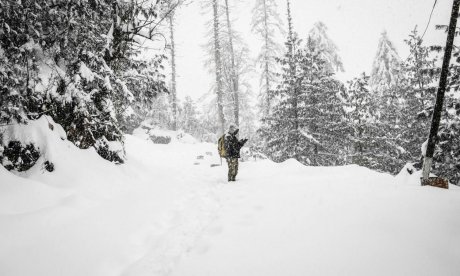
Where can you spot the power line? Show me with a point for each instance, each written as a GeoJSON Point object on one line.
{"type": "Point", "coordinates": [429, 20]}
{"type": "Point", "coordinates": [426, 27]}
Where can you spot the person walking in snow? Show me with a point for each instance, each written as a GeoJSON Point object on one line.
{"type": "Point", "coordinates": [232, 149]}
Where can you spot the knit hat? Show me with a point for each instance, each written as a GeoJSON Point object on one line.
{"type": "Point", "coordinates": [232, 128]}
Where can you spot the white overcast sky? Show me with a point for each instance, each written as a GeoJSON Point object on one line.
{"type": "Point", "coordinates": [354, 25]}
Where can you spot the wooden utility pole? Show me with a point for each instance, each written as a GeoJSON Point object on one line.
{"type": "Point", "coordinates": [440, 94]}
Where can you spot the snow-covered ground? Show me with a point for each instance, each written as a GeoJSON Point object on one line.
{"type": "Point", "coordinates": [165, 212]}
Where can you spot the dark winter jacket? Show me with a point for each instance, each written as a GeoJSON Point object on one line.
{"type": "Point", "coordinates": [233, 145]}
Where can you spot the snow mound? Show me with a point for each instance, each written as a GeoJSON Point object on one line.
{"type": "Point", "coordinates": [42, 133]}
{"type": "Point", "coordinates": [291, 163]}
{"type": "Point", "coordinates": [158, 135]}
{"type": "Point", "coordinates": [19, 195]}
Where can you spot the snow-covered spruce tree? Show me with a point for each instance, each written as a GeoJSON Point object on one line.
{"type": "Point", "coordinates": [386, 84]}
{"type": "Point", "coordinates": [386, 68]}
{"type": "Point", "coordinates": [144, 83]}
{"type": "Point", "coordinates": [267, 25]}
{"type": "Point", "coordinates": [100, 71]}
{"type": "Point", "coordinates": [19, 54]}
{"type": "Point", "coordinates": [391, 154]}
{"type": "Point", "coordinates": [63, 37]}
{"type": "Point", "coordinates": [362, 121]}
{"type": "Point", "coordinates": [403, 121]}
{"type": "Point", "coordinates": [188, 119]}
{"type": "Point", "coordinates": [74, 55]}
{"type": "Point", "coordinates": [322, 112]}
{"type": "Point", "coordinates": [327, 48]}
{"type": "Point", "coordinates": [281, 130]}
{"type": "Point", "coordinates": [276, 123]}
{"type": "Point", "coordinates": [419, 89]}
{"type": "Point", "coordinates": [161, 113]}
{"type": "Point", "coordinates": [308, 119]}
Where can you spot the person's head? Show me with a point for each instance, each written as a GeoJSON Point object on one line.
{"type": "Point", "coordinates": [232, 129]}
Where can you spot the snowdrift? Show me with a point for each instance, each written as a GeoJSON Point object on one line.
{"type": "Point", "coordinates": [166, 211]}
{"type": "Point", "coordinates": [157, 135]}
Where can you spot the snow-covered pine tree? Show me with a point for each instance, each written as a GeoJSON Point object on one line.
{"type": "Point", "coordinates": [144, 82]}
{"type": "Point", "coordinates": [281, 130]}
{"type": "Point", "coordinates": [418, 85]}
{"type": "Point", "coordinates": [188, 119]}
{"type": "Point", "coordinates": [362, 121]}
{"type": "Point", "coordinates": [267, 25]}
{"type": "Point", "coordinates": [386, 68]}
{"type": "Point", "coordinates": [327, 48]}
{"type": "Point", "coordinates": [291, 43]}
{"type": "Point", "coordinates": [385, 83]}
{"type": "Point", "coordinates": [403, 121]}
{"type": "Point", "coordinates": [390, 152]}
{"type": "Point", "coordinates": [68, 60]}
{"type": "Point", "coordinates": [52, 38]}
{"type": "Point", "coordinates": [321, 105]}
{"type": "Point", "coordinates": [308, 119]}
{"type": "Point", "coordinates": [161, 114]}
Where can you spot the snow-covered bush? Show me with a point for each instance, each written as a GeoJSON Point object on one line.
{"type": "Point", "coordinates": [23, 145]}
{"type": "Point", "coordinates": [17, 156]}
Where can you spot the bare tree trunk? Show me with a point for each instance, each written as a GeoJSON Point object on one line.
{"type": "Point", "coordinates": [266, 60]}
{"type": "Point", "coordinates": [218, 63]}
{"type": "Point", "coordinates": [173, 72]}
{"type": "Point", "coordinates": [292, 81]}
{"type": "Point", "coordinates": [290, 35]}
{"type": "Point", "coordinates": [234, 74]}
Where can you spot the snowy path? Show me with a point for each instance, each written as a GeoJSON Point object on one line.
{"type": "Point", "coordinates": [328, 221]}
{"type": "Point", "coordinates": [159, 214]}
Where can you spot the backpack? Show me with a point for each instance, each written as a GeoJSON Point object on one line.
{"type": "Point", "coordinates": [221, 146]}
